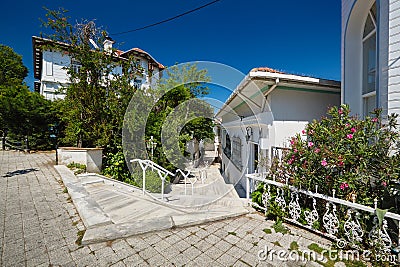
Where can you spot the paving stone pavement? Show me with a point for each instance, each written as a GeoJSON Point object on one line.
{"type": "Point", "coordinates": [39, 226]}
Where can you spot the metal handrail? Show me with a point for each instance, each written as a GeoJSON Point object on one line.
{"type": "Point", "coordinates": [186, 176]}
{"type": "Point", "coordinates": [18, 145]}
{"type": "Point", "coordinates": [162, 172]}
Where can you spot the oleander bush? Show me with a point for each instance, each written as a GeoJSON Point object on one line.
{"type": "Point", "coordinates": [344, 153]}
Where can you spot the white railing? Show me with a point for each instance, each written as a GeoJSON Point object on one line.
{"type": "Point", "coordinates": [187, 178]}
{"type": "Point", "coordinates": [162, 173]}
{"type": "Point", "coordinates": [352, 229]}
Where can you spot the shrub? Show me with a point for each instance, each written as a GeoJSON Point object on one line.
{"type": "Point", "coordinates": [115, 166]}
{"type": "Point", "coordinates": [153, 181]}
{"type": "Point", "coordinates": [344, 153]}
{"type": "Point", "coordinates": [77, 168]}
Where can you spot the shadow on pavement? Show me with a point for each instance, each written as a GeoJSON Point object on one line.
{"type": "Point", "coordinates": [20, 172]}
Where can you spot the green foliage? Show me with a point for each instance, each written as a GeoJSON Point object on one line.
{"type": "Point", "coordinates": [279, 227]}
{"type": "Point", "coordinates": [115, 166]}
{"type": "Point", "coordinates": [153, 181]}
{"type": "Point", "coordinates": [344, 153]}
{"type": "Point", "coordinates": [77, 168]}
{"type": "Point", "coordinates": [315, 247]}
{"type": "Point", "coordinates": [97, 96]}
{"type": "Point", "coordinates": [267, 231]}
{"type": "Point", "coordinates": [178, 115]}
{"type": "Point", "coordinates": [294, 246]}
{"type": "Point", "coordinates": [22, 113]}
{"type": "Point", "coordinates": [256, 195]}
{"type": "Point", "coordinates": [79, 238]}
{"type": "Point", "coordinates": [12, 70]}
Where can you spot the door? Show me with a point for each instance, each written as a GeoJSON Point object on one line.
{"type": "Point", "coordinates": [253, 158]}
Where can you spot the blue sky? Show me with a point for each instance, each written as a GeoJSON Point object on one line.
{"type": "Point", "coordinates": [299, 37]}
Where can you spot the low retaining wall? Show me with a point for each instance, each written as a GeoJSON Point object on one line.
{"type": "Point", "coordinates": [91, 157]}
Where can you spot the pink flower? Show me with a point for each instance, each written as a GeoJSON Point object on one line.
{"type": "Point", "coordinates": [310, 144]}
{"type": "Point", "coordinates": [374, 120]}
{"type": "Point", "coordinates": [349, 136]}
{"type": "Point", "coordinates": [353, 130]}
{"type": "Point", "coordinates": [340, 163]}
{"type": "Point", "coordinates": [303, 132]}
{"type": "Point", "coordinates": [295, 150]}
{"type": "Point", "coordinates": [347, 125]}
{"type": "Point", "coordinates": [324, 163]}
{"type": "Point", "coordinates": [317, 150]}
{"type": "Point", "coordinates": [290, 161]}
{"type": "Point", "coordinates": [340, 111]}
{"type": "Point", "coordinates": [343, 186]}
{"type": "Point", "coordinates": [384, 183]}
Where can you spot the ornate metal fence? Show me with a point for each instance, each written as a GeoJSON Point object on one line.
{"type": "Point", "coordinates": [352, 232]}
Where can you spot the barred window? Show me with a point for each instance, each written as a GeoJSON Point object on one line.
{"type": "Point", "coordinates": [237, 151]}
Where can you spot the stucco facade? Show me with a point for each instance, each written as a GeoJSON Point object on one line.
{"type": "Point", "coordinates": [385, 53]}
{"type": "Point", "coordinates": [265, 111]}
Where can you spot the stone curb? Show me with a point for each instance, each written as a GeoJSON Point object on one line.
{"type": "Point", "coordinates": [90, 212]}
{"type": "Point", "coordinates": [124, 230]}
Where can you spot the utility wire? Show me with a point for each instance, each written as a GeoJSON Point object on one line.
{"type": "Point", "coordinates": [166, 20]}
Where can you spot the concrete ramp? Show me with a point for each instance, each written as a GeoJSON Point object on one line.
{"type": "Point", "coordinates": [111, 209]}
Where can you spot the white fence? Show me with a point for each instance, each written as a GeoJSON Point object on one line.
{"type": "Point", "coordinates": [352, 229]}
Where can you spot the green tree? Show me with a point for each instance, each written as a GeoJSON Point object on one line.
{"type": "Point", "coordinates": [22, 113]}
{"type": "Point", "coordinates": [12, 70]}
{"type": "Point", "coordinates": [179, 114]}
{"type": "Point", "coordinates": [97, 94]}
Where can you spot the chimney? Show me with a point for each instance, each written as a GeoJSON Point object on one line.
{"type": "Point", "coordinates": [108, 43]}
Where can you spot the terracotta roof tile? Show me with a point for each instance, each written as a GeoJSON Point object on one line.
{"type": "Point", "coordinates": [160, 66]}
{"type": "Point", "coordinates": [266, 69]}
{"type": "Point", "coordinates": [139, 50]}
{"type": "Point", "coordinates": [119, 52]}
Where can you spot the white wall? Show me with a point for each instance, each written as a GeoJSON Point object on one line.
{"type": "Point", "coordinates": [53, 66]}
{"type": "Point", "coordinates": [291, 111]}
{"type": "Point", "coordinates": [282, 131]}
{"type": "Point", "coordinates": [54, 73]}
{"type": "Point", "coordinates": [354, 13]}
{"type": "Point", "coordinates": [300, 105]}
{"type": "Point", "coordinates": [393, 70]}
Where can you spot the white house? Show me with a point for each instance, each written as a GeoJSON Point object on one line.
{"type": "Point", "coordinates": [265, 110]}
{"type": "Point", "coordinates": [50, 67]}
{"type": "Point", "coordinates": [371, 55]}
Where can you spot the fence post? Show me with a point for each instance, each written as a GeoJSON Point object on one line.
{"type": "Point", "coordinates": [247, 186]}
{"type": "Point", "coordinates": [162, 189]}
{"type": "Point", "coordinates": [26, 143]}
{"type": "Point", "coordinates": [3, 141]}
{"type": "Point", "coordinates": [144, 180]}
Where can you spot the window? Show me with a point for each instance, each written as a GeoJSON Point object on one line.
{"type": "Point", "coordinates": [137, 84]}
{"type": "Point", "coordinates": [76, 66]}
{"type": "Point", "coordinates": [227, 148]}
{"type": "Point", "coordinates": [369, 62]}
{"type": "Point", "coordinates": [237, 151]}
